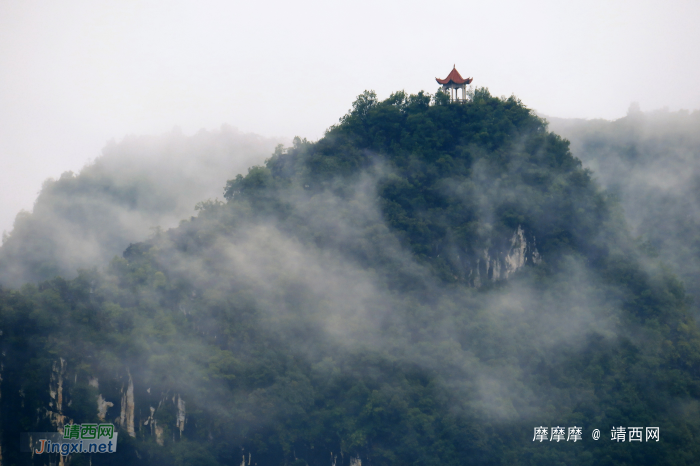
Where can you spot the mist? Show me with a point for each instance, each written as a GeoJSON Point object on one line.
{"type": "Point", "coordinates": [424, 284]}
{"type": "Point", "coordinates": [136, 186]}
{"type": "Point", "coordinates": [312, 293]}
{"type": "Point", "coordinates": [79, 74]}
{"type": "Point", "coordinates": [651, 162]}
{"type": "Point", "coordinates": [414, 281]}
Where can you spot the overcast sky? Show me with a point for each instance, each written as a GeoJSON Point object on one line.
{"type": "Point", "coordinates": [75, 74]}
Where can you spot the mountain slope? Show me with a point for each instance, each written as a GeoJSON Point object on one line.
{"type": "Point", "coordinates": [651, 161]}
{"type": "Point", "coordinates": [83, 220]}
{"type": "Point", "coordinates": [329, 311]}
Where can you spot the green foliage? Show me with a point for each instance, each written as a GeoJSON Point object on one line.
{"type": "Point", "coordinates": [649, 160]}
{"type": "Point", "coordinates": [82, 220]}
{"type": "Point", "coordinates": [328, 310]}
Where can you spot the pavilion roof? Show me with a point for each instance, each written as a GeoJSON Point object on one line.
{"type": "Point", "coordinates": [454, 77]}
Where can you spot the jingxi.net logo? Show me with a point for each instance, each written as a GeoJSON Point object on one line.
{"type": "Point", "coordinates": [75, 438]}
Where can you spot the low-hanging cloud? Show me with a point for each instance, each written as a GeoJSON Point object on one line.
{"type": "Point", "coordinates": [316, 295]}
{"type": "Point", "coordinates": [136, 186]}
{"type": "Point", "coordinates": [651, 162]}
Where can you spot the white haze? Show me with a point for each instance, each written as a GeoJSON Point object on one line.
{"type": "Point", "coordinates": [76, 74]}
{"type": "Point", "coordinates": [651, 162]}
{"type": "Point", "coordinates": [476, 344]}
{"type": "Point", "coordinates": [138, 185]}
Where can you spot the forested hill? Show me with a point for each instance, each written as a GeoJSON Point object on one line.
{"type": "Point", "coordinates": [82, 220]}
{"type": "Point", "coordinates": [651, 162]}
{"type": "Point", "coordinates": [424, 285]}
{"type": "Point", "coordinates": [454, 183]}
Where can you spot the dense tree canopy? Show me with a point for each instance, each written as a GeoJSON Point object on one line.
{"type": "Point", "coordinates": [651, 163]}
{"type": "Point", "coordinates": [328, 310]}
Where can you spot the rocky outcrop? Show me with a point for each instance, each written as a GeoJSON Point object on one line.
{"type": "Point", "coordinates": [126, 419]}
{"type": "Point", "coordinates": [102, 404]}
{"type": "Point", "coordinates": [521, 251]}
{"type": "Point", "coordinates": [243, 461]}
{"type": "Point", "coordinates": [102, 407]}
{"type": "Point", "coordinates": [152, 423]}
{"type": "Point", "coordinates": [180, 417]}
{"type": "Point", "coordinates": [55, 411]}
{"type": "Point", "coordinates": [180, 420]}
{"type": "Point", "coordinates": [500, 263]}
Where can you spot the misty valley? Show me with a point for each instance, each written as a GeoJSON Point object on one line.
{"type": "Point", "coordinates": [429, 283]}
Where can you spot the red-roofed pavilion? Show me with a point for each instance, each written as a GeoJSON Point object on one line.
{"type": "Point", "coordinates": [455, 81]}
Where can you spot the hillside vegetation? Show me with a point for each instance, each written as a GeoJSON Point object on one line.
{"type": "Point", "coordinates": [651, 163]}
{"type": "Point", "coordinates": [136, 186]}
{"type": "Point", "coordinates": [424, 285]}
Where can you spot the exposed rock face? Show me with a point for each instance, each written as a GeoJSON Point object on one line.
{"type": "Point", "coordinates": [180, 422]}
{"type": "Point", "coordinates": [243, 461]}
{"type": "Point", "coordinates": [520, 252]}
{"type": "Point", "coordinates": [159, 434]}
{"type": "Point", "coordinates": [55, 411]}
{"type": "Point", "coordinates": [102, 407]}
{"type": "Point", "coordinates": [102, 404]}
{"type": "Point", "coordinates": [497, 263]}
{"type": "Point", "coordinates": [126, 419]}
{"type": "Point", "coordinates": [492, 264]}
{"type": "Point", "coordinates": [180, 417]}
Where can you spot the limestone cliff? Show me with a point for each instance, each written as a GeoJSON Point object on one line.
{"type": "Point", "coordinates": [500, 263]}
